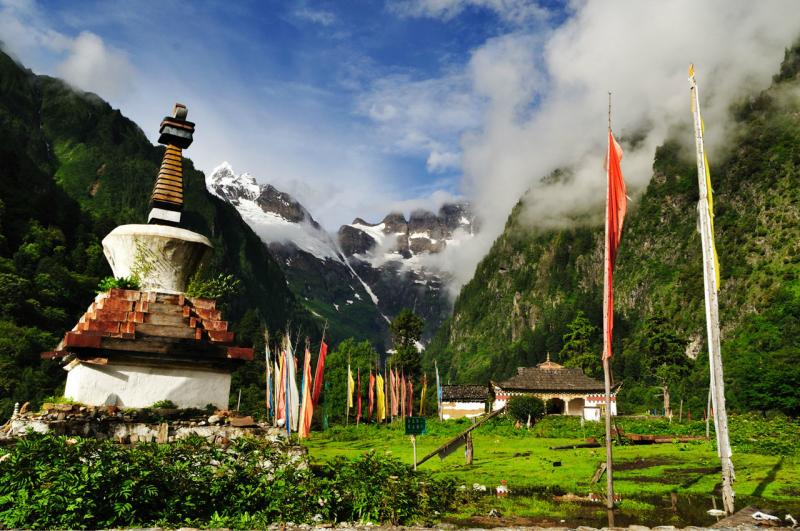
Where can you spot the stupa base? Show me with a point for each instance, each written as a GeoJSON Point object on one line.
{"type": "Point", "coordinates": [130, 385]}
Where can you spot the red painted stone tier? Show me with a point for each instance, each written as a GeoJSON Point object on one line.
{"type": "Point", "coordinates": [131, 316]}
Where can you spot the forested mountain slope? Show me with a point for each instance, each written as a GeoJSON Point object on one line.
{"type": "Point", "coordinates": [529, 291]}
{"type": "Point", "coordinates": [71, 169]}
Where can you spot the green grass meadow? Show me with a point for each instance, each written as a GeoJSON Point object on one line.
{"type": "Point", "coordinates": [548, 486]}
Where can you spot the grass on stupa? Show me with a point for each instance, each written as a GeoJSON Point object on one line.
{"type": "Point", "coordinates": [647, 477]}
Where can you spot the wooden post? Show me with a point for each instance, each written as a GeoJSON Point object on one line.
{"type": "Point", "coordinates": [680, 412]}
{"type": "Point", "coordinates": [712, 306]}
{"type": "Point", "coordinates": [708, 414]}
{"type": "Point", "coordinates": [468, 449]}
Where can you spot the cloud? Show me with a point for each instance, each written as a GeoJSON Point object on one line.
{"type": "Point", "coordinates": [441, 161]}
{"type": "Point", "coordinates": [317, 16]}
{"type": "Point", "coordinates": [547, 102]}
{"type": "Point", "coordinates": [422, 116]}
{"type": "Point", "coordinates": [93, 66]}
{"type": "Point", "coordinates": [516, 12]}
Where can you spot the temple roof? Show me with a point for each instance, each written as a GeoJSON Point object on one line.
{"type": "Point", "coordinates": [465, 393]}
{"type": "Point", "coordinates": [149, 325]}
{"type": "Point", "coordinates": [550, 376]}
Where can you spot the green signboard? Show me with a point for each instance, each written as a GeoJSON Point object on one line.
{"type": "Point", "coordinates": [415, 425]}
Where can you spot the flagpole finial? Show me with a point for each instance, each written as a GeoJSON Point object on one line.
{"type": "Point", "coordinates": [691, 69]}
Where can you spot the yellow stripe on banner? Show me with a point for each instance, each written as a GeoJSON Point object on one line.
{"type": "Point", "coordinates": [710, 207]}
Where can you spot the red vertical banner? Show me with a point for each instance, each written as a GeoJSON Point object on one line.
{"type": "Point", "coordinates": [323, 352]}
{"type": "Point", "coordinates": [371, 393]}
{"type": "Point", "coordinates": [616, 206]}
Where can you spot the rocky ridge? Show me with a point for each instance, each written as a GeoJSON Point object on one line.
{"type": "Point", "coordinates": [364, 274]}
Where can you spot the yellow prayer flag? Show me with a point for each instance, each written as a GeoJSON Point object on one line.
{"type": "Point", "coordinates": [381, 402]}
{"type": "Point", "coordinates": [351, 385]}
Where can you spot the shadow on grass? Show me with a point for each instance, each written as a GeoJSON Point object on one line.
{"type": "Point", "coordinates": [773, 473]}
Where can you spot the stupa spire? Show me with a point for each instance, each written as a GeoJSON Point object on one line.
{"type": "Point", "coordinates": [167, 200]}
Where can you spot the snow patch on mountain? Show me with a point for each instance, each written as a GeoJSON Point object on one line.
{"type": "Point", "coordinates": [248, 196]}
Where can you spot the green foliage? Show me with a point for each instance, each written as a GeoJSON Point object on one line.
{"type": "Point", "coordinates": [776, 435]}
{"type": "Point", "coordinates": [361, 356]}
{"type": "Point", "coordinates": [98, 484]}
{"type": "Point", "coordinates": [164, 404]}
{"type": "Point", "coordinates": [523, 408]}
{"type": "Point", "coordinates": [406, 329]}
{"type": "Point", "coordinates": [220, 287]}
{"type": "Point", "coordinates": [578, 350]}
{"type": "Point", "coordinates": [109, 283]}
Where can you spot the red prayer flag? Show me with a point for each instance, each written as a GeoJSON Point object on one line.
{"type": "Point", "coordinates": [410, 396]}
{"type": "Point", "coordinates": [323, 351]}
{"type": "Point", "coordinates": [371, 393]}
{"type": "Point", "coordinates": [616, 206]}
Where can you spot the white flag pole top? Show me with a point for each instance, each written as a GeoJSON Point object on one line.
{"type": "Point", "coordinates": [717, 382]}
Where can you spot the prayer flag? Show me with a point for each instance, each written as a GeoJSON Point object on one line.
{"type": "Point", "coordinates": [381, 409]}
{"type": "Point", "coordinates": [422, 395]}
{"type": "Point", "coordinates": [616, 206]}
{"type": "Point", "coordinates": [351, 385]}
{"type": "Point", "coordinates": [323, 352]}
{"type": "Point", "coordinates": [307, 409]}
{"type": "Point", "coordinates": [371, 393]}
{"type": "Point", "coordinates": [358, 398]}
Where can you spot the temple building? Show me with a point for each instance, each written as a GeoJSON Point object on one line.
{"type": "Point", "coordinates": [464, 401]}
{"type": "Point", "coordinates": [133, 348]}
{"type": "Point", "coordinates": [566, 390]}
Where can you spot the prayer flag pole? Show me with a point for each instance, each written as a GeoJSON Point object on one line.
{"type": "Point", "coordinates": [711, 285]}
{"type": "Point", "coordinates": [606, 367]}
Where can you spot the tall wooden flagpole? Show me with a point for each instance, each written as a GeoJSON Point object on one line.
{"type": "Point", "coordinates": [712, 306]}
{"type": "Point", "coordinates": [606, 367]}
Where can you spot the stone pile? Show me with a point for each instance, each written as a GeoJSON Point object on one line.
{"type": "Point", "coordinates": [131, 426]}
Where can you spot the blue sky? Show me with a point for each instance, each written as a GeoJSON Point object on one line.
{"type": "Point", "coordinates": [316, 97]}
{"type": "Point", "coordinates": [360, 107]}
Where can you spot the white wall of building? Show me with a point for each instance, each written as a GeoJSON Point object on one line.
{"type": "Point", "coordinates": [457, 410]}
{"type": "Point", "coordinates": [138, 386]}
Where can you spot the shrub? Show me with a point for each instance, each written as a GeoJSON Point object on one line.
{"type": "Point", "coordinates": [522, 407]}
{"type": "Point", "coordinates": [219, 287]}
{"type": "Point", "coordinates": [59, 482]}
{"type": "Point", "coordinates": [109, 283]}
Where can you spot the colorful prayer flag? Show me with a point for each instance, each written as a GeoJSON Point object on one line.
{"type": "Point", "coordinates": [616, 206]}
{"type": "Point", "coordinates": [358, 398]}
{"type": "Point", "coordinates": [323, 352]}
{"type": "Point", "coordinates": [351, 385]}
{"type": "Point", "coordinates": [371, 393]}
{"type": "Point", "coordinates": [307, 409]}
{"type": "Point", "coordinates": [381, 409]}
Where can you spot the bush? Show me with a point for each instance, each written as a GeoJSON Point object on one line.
{"type": "Point", "coordinates": [220, 287]}
{"type": "Point", "coordinates": [109, 283]}
{"type": "Point", "coordinates": [522, 407]}
{"type": "Point", "coordinates": [59, 482]}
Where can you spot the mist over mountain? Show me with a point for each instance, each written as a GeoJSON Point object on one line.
{"type": "Point", "coordinates": [529, 291]}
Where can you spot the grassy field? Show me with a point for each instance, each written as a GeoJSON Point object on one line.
{"type": "Point", "coordinates": [657, 484]}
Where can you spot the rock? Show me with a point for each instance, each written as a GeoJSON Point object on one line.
{"type": "Point", "coordinates": [214, 419]}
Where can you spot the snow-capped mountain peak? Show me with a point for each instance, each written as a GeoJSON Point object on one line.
{"type": "Point", "coordinates": [226, 184]}
{"type": "Point", "coordinates": [274, 215]}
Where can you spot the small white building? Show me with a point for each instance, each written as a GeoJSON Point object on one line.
{"type": "Point", "coordinates": [568, 390]}
{"type": "Point", "coordinates": [464, 401]}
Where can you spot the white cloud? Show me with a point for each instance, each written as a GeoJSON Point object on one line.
{"type": "Point", "coordinates": [422, 116]}
{"type": "Point", "coordinates": [441, 161]}
{"type": "Point", "coordinates": [317, 16]}
{"type": "Point", "coordinates": [547, 104]}
{"type": "Point", "coordinates": [93, 66]}
{"type": "Point", "coordinates": [511, 11]}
